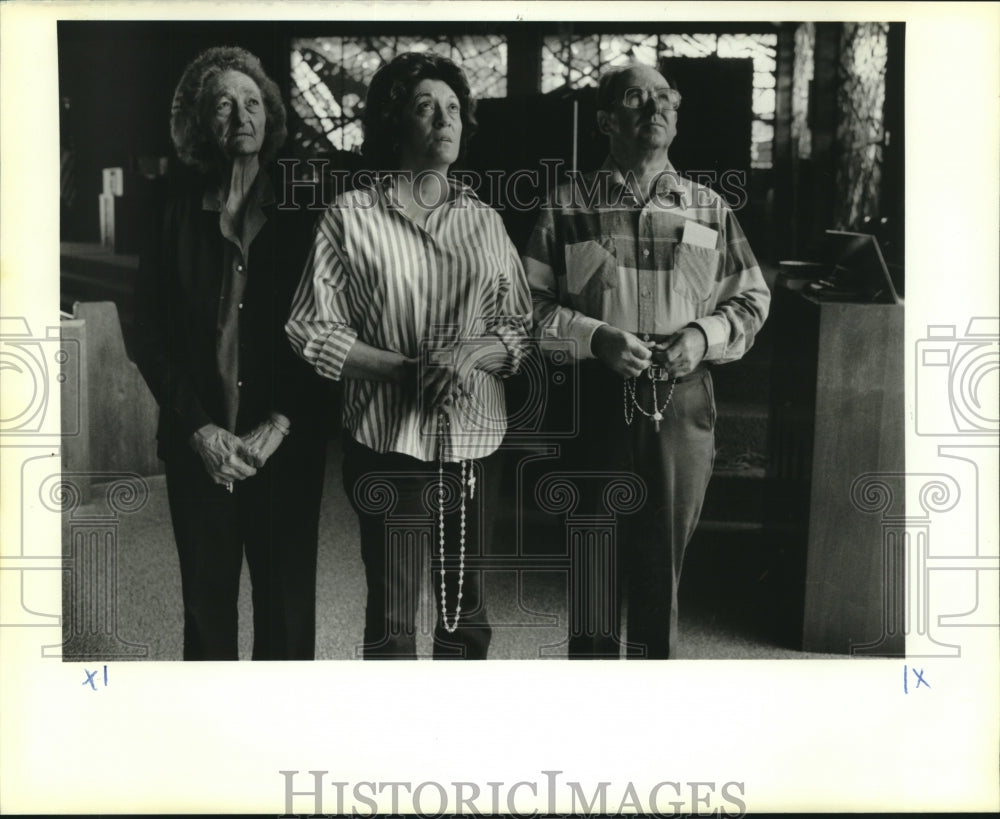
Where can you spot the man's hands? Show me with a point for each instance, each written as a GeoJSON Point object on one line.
{"type": "Point", "coordinates": [225, 456]}
{"type": "Point", "coordinates": [682, 352]}
{"type": "Point", "coordinates": [623, 352]}
{"type": "Point", "coordinates": [628, 355]}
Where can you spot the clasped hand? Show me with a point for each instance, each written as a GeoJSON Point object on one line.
{"type": "Point", "coordinates": [446, 379]}
{"type": "Point", "coordinates": [262, 441]}
{"type": "Point", "coordinates": [628, 355]}
{"type": "Point", "coordinates": [680, 353]}
{"type": "Point", "coordinates": [228, 457]}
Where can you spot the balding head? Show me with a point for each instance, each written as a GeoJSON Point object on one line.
{"type": "Point", "coordinates": [642, 131]}
{"type": "Point", "coordinates": [616, 79]}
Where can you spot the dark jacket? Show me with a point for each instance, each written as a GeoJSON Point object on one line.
{"type": "Point", "coordinates": [177, 314]}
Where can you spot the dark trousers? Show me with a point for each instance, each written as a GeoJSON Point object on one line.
{"type": "Point", "coordinates": [675, 465]}
{"type": "Point", "coordinates": [272, 518]}
{"type": "Point", "coordinates": [396, 500]}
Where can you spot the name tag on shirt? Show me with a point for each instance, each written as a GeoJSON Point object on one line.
{"type": "Point", "coordinates": [699, 235]}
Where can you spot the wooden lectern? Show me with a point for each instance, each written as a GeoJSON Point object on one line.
{"type": "Point", "coordinates": [838, 421]}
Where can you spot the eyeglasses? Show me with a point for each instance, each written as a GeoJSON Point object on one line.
{"type": "Point", "coordinates": [667, 98]}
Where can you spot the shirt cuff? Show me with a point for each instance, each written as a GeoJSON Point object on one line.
{"type": "Point", "coordinates": [581, 332]}
{"type": "Point", "coordinates": [716, 332]}
{"type": "Point", "coordinates": [333, 352]}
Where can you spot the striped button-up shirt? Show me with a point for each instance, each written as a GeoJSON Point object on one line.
{"type": "Point", "coordinates": [377, 276]}
{"type": "Point", "coordinates": [599, 256]}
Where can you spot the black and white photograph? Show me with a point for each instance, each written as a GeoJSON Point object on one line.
{"type": "Point", "coordinates": [667, 353]}
{"type": "Point", "coordinates": [473, 332]}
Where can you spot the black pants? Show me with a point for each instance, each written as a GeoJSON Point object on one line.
{"type": "Point", "coordinates": [674, 464]}
{"type": "Point", "coordinates": [273, 518]}
{"type": "Point", "coordinates": [396, 500]}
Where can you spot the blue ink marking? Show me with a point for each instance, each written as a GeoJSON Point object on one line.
{"type": "Point", "coordinates": [90, 678]}
{"type": "Point", "coordinates": [920, 681]}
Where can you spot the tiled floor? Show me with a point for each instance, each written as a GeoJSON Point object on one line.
{"type": "Point", "coordinates": [737, 594]}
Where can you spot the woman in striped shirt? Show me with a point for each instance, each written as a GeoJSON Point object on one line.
{"type": "Point", "coordinates": [415, 296]}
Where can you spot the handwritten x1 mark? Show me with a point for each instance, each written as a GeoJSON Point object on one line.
{"type": "Point", "coordinates": [90, 678]}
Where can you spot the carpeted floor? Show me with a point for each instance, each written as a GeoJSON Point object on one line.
{"type": "Point", "coordinates": [738, 594]}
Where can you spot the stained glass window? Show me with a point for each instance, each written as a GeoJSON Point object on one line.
{"type": "Point", "coordinates": [578, 60]}
{"type": "Point", "coordinates": [689, 45]}
{"type": "Point", "coordinates": [860, 131]}
{"type": "Point", "coordinates": [802, 76]}
{"type": "Point", "coordinates": [330, 77]}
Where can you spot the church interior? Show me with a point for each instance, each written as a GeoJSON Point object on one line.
{"type": "Point", "coordinates": [803, 122]}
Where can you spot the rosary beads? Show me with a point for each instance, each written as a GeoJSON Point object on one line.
{"type": "Point", "coordinates": [467, 477]}
{"type": "Point", "coordinates": [631, 404]}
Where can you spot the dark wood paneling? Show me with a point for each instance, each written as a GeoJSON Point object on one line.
{"type": "Point", "coordinates": [859, 429]}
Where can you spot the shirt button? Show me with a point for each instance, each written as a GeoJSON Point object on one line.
{"type": "Point", "coordinates": [239, 268]}
{"type": "Point", "coordinates": [645, 252]}
{"type": "Point", "coordinates": [239, 306]}
{"type": "Point", "coordinates": [645, 336]}
{"type": "Point", "coordinates": [239, 383]}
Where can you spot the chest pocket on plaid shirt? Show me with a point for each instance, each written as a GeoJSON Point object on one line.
{"type": "Point", "coordinates": [695, 271]}
{"type": "Point", "coordinates": [591, 264]}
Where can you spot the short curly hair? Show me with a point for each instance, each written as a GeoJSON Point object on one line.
{"type": "Point", "coordinates": [389, 92]}
{"type": "Point", "coordinates": [190, 108]}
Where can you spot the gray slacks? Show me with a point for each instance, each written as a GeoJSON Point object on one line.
{"type": "Point", "coordinates": [642, 568]}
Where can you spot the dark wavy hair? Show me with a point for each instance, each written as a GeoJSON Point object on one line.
{"type": "Point", "coordinates": [191, 107]}
{"type": "Point", "coordinates": [389, 92]}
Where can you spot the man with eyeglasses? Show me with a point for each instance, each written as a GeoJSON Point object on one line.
{"type": "Point", "coordinates": [653, 279]}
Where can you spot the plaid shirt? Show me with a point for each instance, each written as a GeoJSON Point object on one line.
{"type": "Point", "coordinates": [598, 256]}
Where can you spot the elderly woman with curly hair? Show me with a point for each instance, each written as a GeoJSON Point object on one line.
{"type": "Point", "coordinates": [240, 415]}
{"type": "Point", "coordinates": [416, 298]}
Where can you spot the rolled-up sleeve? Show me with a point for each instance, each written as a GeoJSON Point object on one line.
{"type": "Point", "coordinates": [319, 326]}
{"type": "Point", "coordinates": [547, 282]}
{"type": "Point", "coordinates": [742, 299]}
